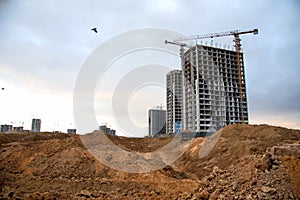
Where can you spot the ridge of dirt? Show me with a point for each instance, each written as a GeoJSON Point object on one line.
{"type": "Point", "coordinates": [132, 144]}
{"type": "Point", "coordinates": [237, 141]}
{"type": "Point", "coordinates": [247, 162]}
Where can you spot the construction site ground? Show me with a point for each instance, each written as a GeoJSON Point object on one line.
{"type": "Point", "coordinates": [247, 162]}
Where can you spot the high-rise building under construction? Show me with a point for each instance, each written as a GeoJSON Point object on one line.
{"type": "Point", "coordinates": [214, 88]}
{"type": "Point", "coordinates": [174, 101]}
{"type": "Point", "coordinates": [213, 83]}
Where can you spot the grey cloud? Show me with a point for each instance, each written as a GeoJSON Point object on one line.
{"type": "Point", "coordinates": [46, 42]}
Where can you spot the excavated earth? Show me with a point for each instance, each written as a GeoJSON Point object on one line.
{"type": "Point", "coordinates": [244, 162]}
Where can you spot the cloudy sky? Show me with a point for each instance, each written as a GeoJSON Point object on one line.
{"type": "Point", "coordinates": [44, 44]}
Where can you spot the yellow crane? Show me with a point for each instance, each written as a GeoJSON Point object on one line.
{"type": "Point", "coordinates": [237, 46]}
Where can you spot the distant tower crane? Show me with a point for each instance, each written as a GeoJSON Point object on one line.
{"type": "Point", "coordinates": [182, 45]}
{"type": "Point", "coordinates": [237, 46]}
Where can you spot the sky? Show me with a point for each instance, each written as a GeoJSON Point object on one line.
{"type": "Point", "coordinates": [44, 44]}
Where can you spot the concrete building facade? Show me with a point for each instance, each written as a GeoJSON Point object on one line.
{"type": "Point", "coordinates": [157, 121]}
{"type": "Point", "coordinates": [107, 130]}
{"type": "Point", "coordinates": [18, 128]}
{"type": "Point", "coordinates": [212, 98]}
{"type": "Point", "coordinates": [5, 128]}
{"type": "Point", "coordinates": [174, 101]}
{"type": "Point", "coordinates": [71, 131]}
{"type": "Point", "coordinates": [36, 125]}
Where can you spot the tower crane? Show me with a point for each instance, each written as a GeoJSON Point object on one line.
{"type": "Point", "coordinates": [235, 33]}
{"type": "Point", "coordinates": [237, 46]}
{"type": "Point", "coordinates": [182, 45]}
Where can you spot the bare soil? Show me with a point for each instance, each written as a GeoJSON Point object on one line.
{"type": "Point", "coordinates": [247, 162]}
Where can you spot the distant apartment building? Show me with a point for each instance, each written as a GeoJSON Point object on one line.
{"type": "Point", "coordinates": [107, 130]}
{"type": "Point", "coordinates": [5, 127]}
{"type": "Point", "coordinates": [174, 101]}
{"type": "Point", "coordinates": [36, 125]}
{"type": "Point", "coordinates": [214, 89]}
{"type": "Point", "coordinates": [157, 121]}
{"type": "Point", "coordinates": [71, 131]}
{"type": "Point", "coordinates": [111, 132]}
{"type": "Point", "coordinates": [18, 128]}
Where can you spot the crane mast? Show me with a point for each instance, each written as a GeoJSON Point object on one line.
{"type": "Point", "coordinates": [237, 46]}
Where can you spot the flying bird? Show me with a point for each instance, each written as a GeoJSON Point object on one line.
{"type": "Point", "coordinates": [94, 29]}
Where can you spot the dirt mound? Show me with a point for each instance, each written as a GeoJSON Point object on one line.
{"type": "Point", "coordinates": [246, 161]}
{"type": "Point", "coordinates": [140, 144]}
{"type": "Point", "coordinates": [238, 141]}
{"type": "Point", "coordinates": [29, 137]}
{"type": "Point", "coordinates": [245, 153]}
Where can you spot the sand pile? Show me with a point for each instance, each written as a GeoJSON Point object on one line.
{"type": "Point", "coordinates": [246, 162]}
